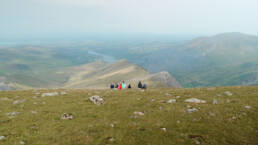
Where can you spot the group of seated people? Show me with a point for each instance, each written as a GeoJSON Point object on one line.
{"type": "Point", "coordinates": [123, 85]}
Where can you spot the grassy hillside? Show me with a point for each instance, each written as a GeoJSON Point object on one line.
{"type": "Point", "coordinates": [232, 121]}
{"type": "Point", "coordinates": [36, 65]}
{"type": "Point", "coordinates": [99, 74]}
{"type": "Point", "coordinates": [221, 60]}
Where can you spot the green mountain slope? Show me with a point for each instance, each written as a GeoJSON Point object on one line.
{"type": "Point", "coordinates": [100, 75]}
{"type": "Point", "coordinates": [38, 120]}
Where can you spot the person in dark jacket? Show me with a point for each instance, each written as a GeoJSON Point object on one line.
{"type": "Point", "coordinates": [140, 85]}
{"type": "Point", "coordinates": [129, 86]}
{"type": "Point", "coordinates": [117, 86]}
{"type": "Point", "coordinates": [112, 86]}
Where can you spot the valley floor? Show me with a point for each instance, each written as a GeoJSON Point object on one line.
{"type": "Point", "coordinates": [130, 117]}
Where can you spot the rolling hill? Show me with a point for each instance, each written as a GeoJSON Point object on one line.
{"type": "Point", "coordinates": [99, 74]}
{"type": "Point", "coordinates": [221, 60]}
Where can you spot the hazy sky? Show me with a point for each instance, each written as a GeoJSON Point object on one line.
{"type": "Point", "coordinates": [72, 17]}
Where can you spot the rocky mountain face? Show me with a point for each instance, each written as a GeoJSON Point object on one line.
{"type": "Point", "coordinates": [166, 79]}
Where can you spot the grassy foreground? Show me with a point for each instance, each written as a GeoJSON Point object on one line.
{"type": "Point", "coordinates": [39, 119]}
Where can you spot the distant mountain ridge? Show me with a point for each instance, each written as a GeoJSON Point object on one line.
{"type": "Point", "coordinates": [99, 74]}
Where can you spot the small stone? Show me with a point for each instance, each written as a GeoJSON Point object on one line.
{"type": "Point", "coordinates": [177, 97]}
{"type": "Point", "coordinates": [138, 113]}
{"type": "Point", "coordinates": [43, 102]}
{"type": "Point", "coordinates": [244, 113]}
{"type": "Point", "coordinates": [194, 100]}
{"type": "Point", "coordinates": [191, 110]}
{"type": "Point", "coordinates": [234, 118]}
{"type": "Point", "coordinates": [214, 102]}
{"type": "Point", "coordinates": [97, 100]}
{"type": "Point", "coordinates": [167, 94]}
{"type": "Point", "coordinates": [12, 114]}
{"type": "Point", "coordinates": [196, 141]}
{"type": "Point", "coordinates": [112, 125]}
{"type": "Point", "coordinates": [228, 93]}
{"type": "Point", "coordinates": [228, 101]}
{"type": "Point", "coordinates": [22, 143]}
{"type": "Point", "coordinates": [34, 112]}
{"type": "Point", "coordinates": [152, 100]}
{"type": "Point", "coordinates": [19, 101]}
{"type": "Point", "coordinates": [111, 139]}
{"type": "Point", "coordinates": [248, 107]}
{"type": "Point", "coordinates": [2, 137]}
{"type": "Point", "coordinates": [178, 121]}
{"type": "Point", "coordinates": [212, 114]}
{"type": "Point", "coordinates": [194, 119]}
{"type": "Point", "coordinates": [171, 101]}
{"type": "Point", "coordinates": [49, 94]}
{"type": "Point", "coordinates": [66, 116]}
{"type": "Point", "coordinates": [164, 129]}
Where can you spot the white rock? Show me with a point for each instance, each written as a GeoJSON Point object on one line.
{"type": "Point", "coordinates": [66, 116]}
{"type": "Point", "coordinates": [212, 114]}
{"type": "Point", "coordinates": [138, 113]}
{"type": "Point", "coordinates": [49, 94]}
{"type": "Point", "coordinates": [177, 97]}
{"type": "Point", "coordinates": [34, 112]}
{"type": "Point", "coordinates": [152, 100]}
{"type": "Point", "coordinates": [191, 110]}
{"type": "Point", "coordinates": [228, 93]}
{"type": "Point", "coordinates": [164, 129]}
{"type": "Point", "coordinates": [97, 100]}
{"type": "Point", "coordinates": [2, 137]}
{"type": "Point", "coordinates": [178, 121]}
{"type": "Point", "coordinates": [111, 139]}
{"type": "Point", "coordinates": [194, 100]}
{"type": "Point", "coordinates": [19, 101]}
{"type": "Point", "coordinates": [22, 143]}
{"type": "Point", "coordinates": [171, 101]}
{"type": "Point", "coordinates": [167, 94]}
{"type": "Point", "coordinates": [196, 141]}
{"type": "Point", "coordinates": [214, 102]}
{"type": "Point", "coordinates": [112, 125]}
{"type": "Point", "coordinates": [12, 114]}
{"type": "Point", "coordinates": [248, 107]}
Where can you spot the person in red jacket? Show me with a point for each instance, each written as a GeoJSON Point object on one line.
{"type": "Point", "coordinates": [120, 86]}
